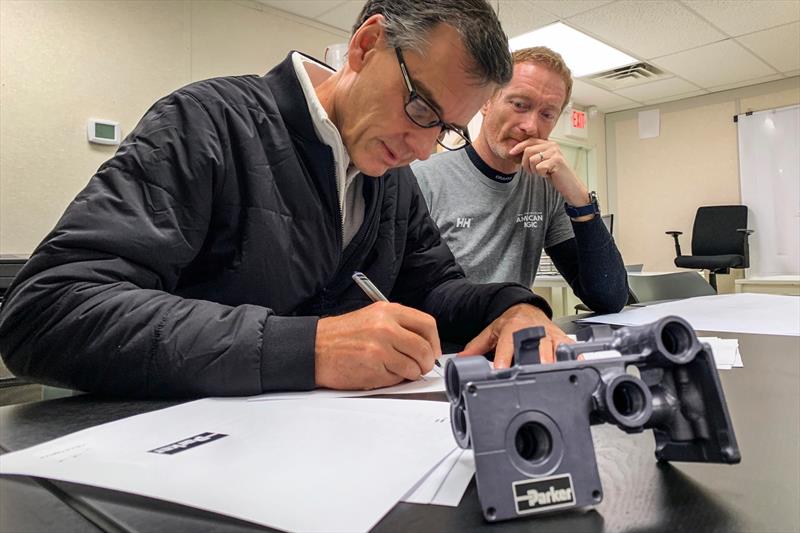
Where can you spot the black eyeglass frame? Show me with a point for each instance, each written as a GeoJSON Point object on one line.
{"type": "Point", "coordinates": [414, 95]}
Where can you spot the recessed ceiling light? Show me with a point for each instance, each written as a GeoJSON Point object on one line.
{"type": "Point", "coordinates": [584, 55]}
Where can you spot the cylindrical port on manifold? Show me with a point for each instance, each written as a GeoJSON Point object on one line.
{"type": "Point", "coordinates": [628, 401]}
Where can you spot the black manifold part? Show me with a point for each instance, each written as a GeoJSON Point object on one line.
{"type": "Point", "coordinates": [529, 425]}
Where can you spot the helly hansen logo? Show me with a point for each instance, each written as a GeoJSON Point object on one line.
{"type": "Point", "coordinates": [534, 495]}
{"type": "Point", "coordinates": [463, 222]}
{"type": "Point", "coordinates": [185, 444]}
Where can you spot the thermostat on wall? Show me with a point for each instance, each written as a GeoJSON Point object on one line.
{"type": "Point", "coordinates": [103, 131]}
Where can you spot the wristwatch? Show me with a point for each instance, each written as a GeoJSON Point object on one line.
{"type": "Point", "coordinates": [592, 208]}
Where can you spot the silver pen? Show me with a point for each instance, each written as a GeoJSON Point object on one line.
{"type": "Point", "coordinates": [369, 288]}
{"type": "Point", "coordinates": [373, 292]}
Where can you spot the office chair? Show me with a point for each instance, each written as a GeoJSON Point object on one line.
{"type": "Point", "coordinates": [719, 241]}
{"type": "Point", "coordinates": [647, 289]}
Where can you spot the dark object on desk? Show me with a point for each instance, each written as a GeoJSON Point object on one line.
{"type": "Point", "coordinates": [719, 241]}
{"type": "Point", "coordinates": [529, 425]}
{"type": "Point", "coordinates": [670, 286]}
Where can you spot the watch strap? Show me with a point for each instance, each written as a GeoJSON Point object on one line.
{"type": "Point", "coordinates": [592, 208]}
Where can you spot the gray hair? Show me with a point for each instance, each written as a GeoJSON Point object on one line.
{"type": "Point", "coordinates": [408, 23]}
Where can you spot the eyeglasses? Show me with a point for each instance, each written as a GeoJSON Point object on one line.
{"type": "Point", "coordinates": [423, 114]}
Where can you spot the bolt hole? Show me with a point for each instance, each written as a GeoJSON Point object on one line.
{"type": "Point", "coordinates": [596, 495]}
{"type": "Point", "coordinates": [472, 389]}
{"type": "Point", "coordinates": [573, 379]}
{"type": "Point", "coordinates": [491, 513]}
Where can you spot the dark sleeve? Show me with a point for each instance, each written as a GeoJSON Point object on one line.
{"type": "Point", "coordinates": [593, 267]}
{"type": "Point", "coordinates": [94, 309]}
{"type": "Point", "coordinates": [431, 280]}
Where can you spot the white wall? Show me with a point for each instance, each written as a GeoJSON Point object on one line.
{"type": "Point", "coordinates": [62, 62]}
{"type": "Point", "coordinates": [657, 184]}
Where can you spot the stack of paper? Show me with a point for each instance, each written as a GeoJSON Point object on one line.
{"type": "Point", "coordinates": [433, 381]}
{"type": "Point", "coordinates": [726, 352]}
{"type": "Point", "coordinates": [310, 465]}
{"type": "Point", "coordinates": [445, 484]}
{"type": "Point", "coordinates": [765, 314]}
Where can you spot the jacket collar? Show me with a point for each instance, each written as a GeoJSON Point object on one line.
{"type": "Point", "coordinates": [290, 99]}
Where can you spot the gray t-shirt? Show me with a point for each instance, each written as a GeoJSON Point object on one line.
{"type": "Point", "coordinates": [496, 230]}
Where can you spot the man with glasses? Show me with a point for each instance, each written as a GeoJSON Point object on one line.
{"type": "Point", "coordinates": [511, 193]}
{"type": "Point", "coordinates": [213, 254]}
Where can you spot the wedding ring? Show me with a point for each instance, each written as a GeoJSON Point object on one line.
{"type": "Point", "coordinates": [541, 157]}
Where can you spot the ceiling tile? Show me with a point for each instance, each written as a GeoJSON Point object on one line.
{"type": "Point", "coordinates": [658, 89]}
{"type": "Point", "coordinates": [568, 8]}
{"type": "Point", "coordinates": [736, 17]}
{"type": "Point", "coordinates": [622, 107]}
{"type": "Point", "coordinates": [522, 16]}
{"type": "Point", "coordinates": [780, 47]}
{"type": "Point", "coordinates": [343, 16]}
{"type": "Point", "coordinates": [647, 29]}
{"type": "Point", "coordinates": [715, 64]}
{"type": "Point", "coordinates": [674, 97]}
{"type": "Point", "coordinates": [745, 83]}
{"type": "Point", "coordinates": [585, 94]}
{"type": "Point", "coordinates": [306, 8]}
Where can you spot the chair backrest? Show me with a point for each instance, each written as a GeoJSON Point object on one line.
{"type": "Point", "coordinates": [670, 286]}
{"type": "Point", "coordinates": [608, 220]}
{"type": "Point", "coordinates": [714, 231]}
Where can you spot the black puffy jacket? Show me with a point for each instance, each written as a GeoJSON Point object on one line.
{"type": "Point", "coordinates": [198, 259]}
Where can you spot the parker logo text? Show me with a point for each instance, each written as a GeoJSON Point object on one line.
{"type": "Point", "coordinates": [185, 444]}
{"type": "Point", "coordinates": [534, 495]}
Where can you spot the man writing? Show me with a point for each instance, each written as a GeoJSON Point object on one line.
{"type": "Point", "coordinates": [501, 200]}
{"type": "Point", "coordinates": [212, 254]}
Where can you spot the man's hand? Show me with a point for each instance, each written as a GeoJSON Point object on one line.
{"type": "Point", "coordinates": [499, 335]}
{"type": "Point", "coordinates": [545, 159]}
{"type": "Point", "coordinates": [377, 346]}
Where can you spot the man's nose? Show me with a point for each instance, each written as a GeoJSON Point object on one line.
{"type": "Point", "coordinates": [422, 141]}
{"type": "Point", "coordinates": [530, 124]}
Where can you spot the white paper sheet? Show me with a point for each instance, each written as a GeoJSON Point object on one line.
{"type": "Point", "coordinates": [766, 314]}
{"type": "Point", "coordinates": [311, 465]}
{"type": "Point", "coordinates": [425, 490]}
{"type": "Point", "coordinates": [433, 381]}
{"type": "Point", "coordinates": [726, 352]}
{"type": "Point", "coordinates": [452, 490]}
{"type": "Point", "coordinates": [446, 484]}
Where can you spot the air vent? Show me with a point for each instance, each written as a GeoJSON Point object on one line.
{"type": "Point", "coordinates": [628, 76]}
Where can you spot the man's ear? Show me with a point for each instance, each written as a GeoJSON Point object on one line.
{"type": "Point", "coordinates": [491, 101]}
{"type": "Point", "coordinates": [364, 42]}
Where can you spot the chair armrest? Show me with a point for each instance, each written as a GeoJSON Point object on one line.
{"type": "Point", "coordinates": [677, 244]}
{"type": "Point", "coordinates": [746, 245]}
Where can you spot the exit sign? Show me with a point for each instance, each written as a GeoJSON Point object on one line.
{"type": "Point", "coordinates": [578, 127]}
{"type": "Point", "coordinates": [578, 119]}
